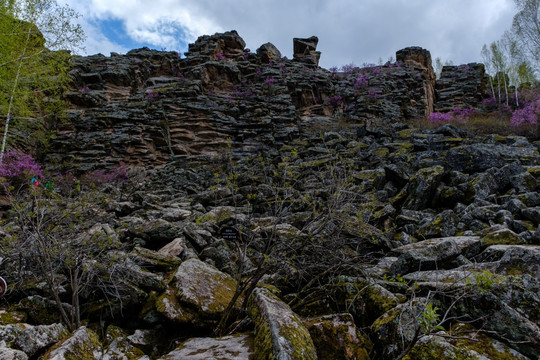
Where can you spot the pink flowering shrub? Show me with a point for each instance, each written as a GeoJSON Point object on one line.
{"type": "Point", "coordinates": [361, 81]}
{"type": "Point", "coordinates": [18, 169]}
{"type": "Point", "coordinates": [335, 100]}
{"type": "Point", "coordinates": [439, 118]}
{"type": "Point", "coordinates": [457, 114]}
{"type": "Point", "coordinates": [528, 115]}
{"type": "Point", "coordinates": [117, 175]}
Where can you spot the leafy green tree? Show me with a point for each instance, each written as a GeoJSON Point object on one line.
{"type": "Point", "coordinates": [35, 39]}
{"type": "Point", "coordinates": [526, 26]}
{"type": "Point", "coordinates": [499, 61]}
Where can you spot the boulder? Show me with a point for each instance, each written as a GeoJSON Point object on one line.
{"type": "Point", "coordinates": [337, 338]}
{"type": "Point", "coordinates": [268, 52]}
{"type": "Point", "coordinates": [233, 347]}
{"type": "Point", "coordinates": [203, 287]}
{"type": "Point", "coordinates": [83, 344]}
{"type": "Point", "coordinates": [37, 338]}
{"type": "Point", "coordinates": [279, 333]}
{"type": "Point", "coordinates": [305, 50]}
{"type": "Point", "coordinates": [422, 187]}
{"type": "Point", "coordinates": [12, 354]}
{"type": "Point", "coordinates": [118, 346]}
{"type": "Point", "coordinates": [425, 255]}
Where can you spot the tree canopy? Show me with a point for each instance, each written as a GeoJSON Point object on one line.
{"type": "Point", "coordinates": [526, 27]}
{"type": "Point", "coordinates": [36, 37]}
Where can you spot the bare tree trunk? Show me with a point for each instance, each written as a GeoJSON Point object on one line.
{"type": "Point", "coordinates": [15, 84]}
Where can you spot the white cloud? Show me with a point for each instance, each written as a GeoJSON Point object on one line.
{"type": "Point", "coordinates": [348, 30]}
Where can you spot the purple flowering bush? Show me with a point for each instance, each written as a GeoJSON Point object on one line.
{"type": "Point", "coordinates": [17, 169]}
{"type": "Point", "coordinates": [118, 174]}
{"type": "Point", "coordinates": [528, 115]}
{"type": "Point", "coordinates": [440, 118]}
{"type": "Point", "coordinates": [458, 114]}
{"type": "Point", "coordinates": [335, 100]}
{"type": "Point", "coordinates": [361, 81]}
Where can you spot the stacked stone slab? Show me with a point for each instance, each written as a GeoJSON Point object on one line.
{"type": "Point", "coordinates": [462, 86]}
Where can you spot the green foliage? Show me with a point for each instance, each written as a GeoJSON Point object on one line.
{"type": "Point", "coordinates": [486, 281]}
{"type": "Point", "coordinates": [32, 77]}
{"type": "Point", "coordinates": [429, 319]}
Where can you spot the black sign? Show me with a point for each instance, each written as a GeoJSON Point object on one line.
{"type": "Point", "coordinates": [229, 233]}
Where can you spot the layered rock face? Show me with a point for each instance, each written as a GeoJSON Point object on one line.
{"type": "Point", "coordinates": [462, 86]}
{"type": "Point", "coordinates": [149, 107]}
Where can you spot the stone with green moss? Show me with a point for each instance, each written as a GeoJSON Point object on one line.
{"type": "Point", "coordinates": [233, 347]}
{"type": "Point", "coordinates": [279, 332]}
{"type": "Point", "coordinates": [502, 237]}
{"type": "Point", "coordinates": [337, 338]}
{"type": "Point", "coordinates": [84, 344]}
{"type": "Point", "coordinates": [481, 346]}
{"type": "Point", "coordinates": [168, 305]}
{"type": "Point", "coordinates": [12, 316]}
{"type": "Point", "coordinates": [119, 346]}
{"type": "Point", "coordinates": [203, 287]}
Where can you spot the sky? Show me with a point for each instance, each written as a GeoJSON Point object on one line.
{"type": "Point", "coordinates": [349, 31]}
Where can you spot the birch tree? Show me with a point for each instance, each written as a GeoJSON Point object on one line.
{"type": "Point", "coordinates": [526, 26]}
{"type": "Point", "coordinates": [36, 37]}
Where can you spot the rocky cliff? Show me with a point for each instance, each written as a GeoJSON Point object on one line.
{"type": "Point", "coordinates": [149, 107]}
{"type": "Point", "coordinates": [276, 210]}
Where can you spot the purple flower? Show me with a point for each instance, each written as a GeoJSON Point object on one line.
{"type": "Point", "coordinates": [335, 100]}
{"type": "Point", "coordinates": [361, 81]}
{"type": "Point", "coordinates": [270, 81]}
{"type": "Point", "coordinates": [440, 118]}
{"type": "Point", "coordinates": [528, 115]}
{"type": "Point", "coordinates": [151, 95]}
{"type": "Point", "coordinates": [17, 167]}
{"type": "Point", "coordinates": [220, 56]}
{"type": "Point", "coordinates": [349, 68]}
{"type": "Point", "coordinates": [84, 90]}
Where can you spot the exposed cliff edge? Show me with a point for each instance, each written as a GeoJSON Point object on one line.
{"type": "Point", "coordinates": [149, 107]}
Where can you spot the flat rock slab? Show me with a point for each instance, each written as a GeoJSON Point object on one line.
{"type": "Point", "coordinates": [279, 332]}
{"type": "Point", "coordinates": [425, 255]}
{"type": "Point", "coordinates": [235, 347]}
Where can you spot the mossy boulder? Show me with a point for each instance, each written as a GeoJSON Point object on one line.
{"type": "Point", "coordinates": [12, 316]}
{"type": "Point", "coordinates": [422, 187]}
{"type": "Point", "coordinates": [502, 237]}
{"type": "Point", "coordinates": [169, 306]}
{"type": "Point", "coordinates": [395, 329]}
{"type": "Point", "coordinates": [234, 347]}
{"type": "Point", "coordinates": [156, 233]}
{"type": "Point", "coordinates": [118, 345]}
{"type": "Point", "coordinates": [203, 287]}
{"type": "Point", "coordinates": [12, 354]}
{"type": "Point", "coordinates": [10, 333]}
{"type": "Point", "coordinates": [279, 332]}
{"type": "Point", "coordinates": [481, 346]}
{"type": "Point", "coordinates": [337, 338]}
{"type": "Point", "coordinates": [84, 344]}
